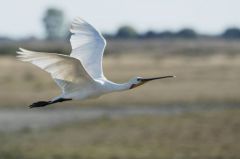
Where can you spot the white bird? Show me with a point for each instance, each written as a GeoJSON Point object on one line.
{"type": "Point", "coordinates": [80, 75]}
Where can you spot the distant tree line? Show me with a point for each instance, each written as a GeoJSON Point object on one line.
{"type": "Point", "coordinates": [231, 33]}
{"type": "Point", "coordinates": [128, 32]}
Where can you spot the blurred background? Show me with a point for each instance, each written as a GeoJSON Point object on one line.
{"type": "Point", "coordinates": [193, 116]}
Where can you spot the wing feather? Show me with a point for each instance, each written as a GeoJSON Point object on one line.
{"type": "Point", "coordinates": [88, 46]}
{"type": "Point", "coordinates": [65, 70]}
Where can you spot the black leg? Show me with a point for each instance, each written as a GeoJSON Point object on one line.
{"type": "Point", "coordinates": [60, 100]}
{"type": "Point", "coordinates": [45, 103]}
{"type": "Point", "coordinates": [40, 104]}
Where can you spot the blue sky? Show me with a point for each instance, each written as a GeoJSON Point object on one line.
{"type": "Point", "coordinates": [21, 18]}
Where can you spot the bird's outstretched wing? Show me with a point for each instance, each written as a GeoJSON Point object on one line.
{"type": "Point", "coordinates": [88, 46]}
{"type": "Point", "coordinates": [65, 70]}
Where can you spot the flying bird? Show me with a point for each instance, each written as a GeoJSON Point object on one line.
{"type": "Point", "coordinates": [79, 75]}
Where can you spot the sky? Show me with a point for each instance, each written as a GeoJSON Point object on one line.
{"type": "Point", "coordinates": [21, 18]}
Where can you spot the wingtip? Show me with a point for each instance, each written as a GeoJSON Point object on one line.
{"type": "Point", "coordinates": [23, 50]}
{"type": "Point", "coordinates": [78, 20]}
{"type": "Point", "coordinates": [19, 51]}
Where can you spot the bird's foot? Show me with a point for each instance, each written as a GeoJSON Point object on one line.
{"type": "Point", "coordinates": [40, 104]}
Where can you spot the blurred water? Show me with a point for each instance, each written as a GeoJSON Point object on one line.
{"type": "Point", "coordinates": [18, 119]}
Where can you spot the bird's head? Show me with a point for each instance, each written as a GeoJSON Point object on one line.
{"type": "Point", "coordinates": [138, 81]}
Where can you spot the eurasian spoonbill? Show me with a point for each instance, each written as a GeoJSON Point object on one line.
{"type": "Point", "coordinates": [80, 75]}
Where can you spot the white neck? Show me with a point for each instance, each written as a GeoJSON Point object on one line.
{"type": "Point", "coordinates": [119, 87]}
{"type": "Point", "coordinates": [123, 86]}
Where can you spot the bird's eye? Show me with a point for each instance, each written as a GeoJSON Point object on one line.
{"type": "Point", "coordinates": [138, 79]}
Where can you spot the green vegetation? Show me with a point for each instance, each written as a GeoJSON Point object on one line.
{"type": "Point", "coordinates": [209, 135]}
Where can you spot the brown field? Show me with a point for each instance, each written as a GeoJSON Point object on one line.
{"type": "Point", "coordinates": [207, 73]}
{"type": "Point", "coordinates": [209, 78]}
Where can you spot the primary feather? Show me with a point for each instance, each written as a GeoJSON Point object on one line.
{"type": "Point", "coordinates": [88, 46]}
{"type": "Point", "coordinates": [65, 70]}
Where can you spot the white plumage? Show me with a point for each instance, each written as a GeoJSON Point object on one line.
{"type": "Point", "coordinates": [88, 46]}
{"type": "Point", "coordinates": [79, 75]}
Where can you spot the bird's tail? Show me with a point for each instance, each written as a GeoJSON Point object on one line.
{"type": "Point", "coordinates": [45, 103]}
